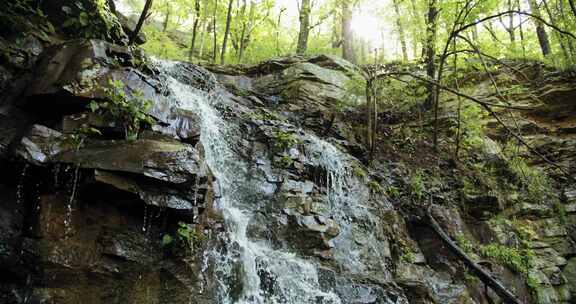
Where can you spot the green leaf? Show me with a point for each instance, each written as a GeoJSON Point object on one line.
{"type": "Point", "coordinates": [94, 106]}
{"type": "Point", "coordinates": [167, 240]}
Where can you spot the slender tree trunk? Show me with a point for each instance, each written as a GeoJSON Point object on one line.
{"type": "Point", "coordinates": [556, 34]}
{"type": "Point", "coordinates": [431, 28]}
{"type": "Point", "coordinates": [279, 22]}
{"type": "Point", "coordinates": [572, 7]}
{"type": "Point", "coordinates": [347, 33]}
{"type": "Point", "coordinates": [561, 9]}
{"type": "Point", "coordinates": [226, 32]}
{"type": "Point", "coordinates": [540, 30]}
{"type": "Point", "coordinates": [510, 28]}
{"type": "Point", "coordinates": [521, 29]}
{"type": "Point", "coordinates": [247, 31]}
{"type": "Point", "coordinates": [112, 6]}
{"type": "Point", "coordinates": [166, 17]}
{"type": "Point", "coordinates": [140, 23]}
{"type": "Point", "coordinates": [215, 42]}
{"type": "Point", "coordinates": [194, 29]}
{"type": "Point", "coordinates": [302, 44]}
{"type": "Point", "coordinates": [205, 26]}
{"type": "Point", "coordinates": [416, 38]}
{"type": "Point", "coordinates": [474, 32]}
{"type": "Point", "coordinates": [400, 31]}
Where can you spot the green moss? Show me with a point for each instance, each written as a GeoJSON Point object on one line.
{"type": "Point", "coordinates": [264, 116]}
{"type": "Point", "coordinates": [519, 260]}
{"type": "Point", "coordinates": [284, 140]}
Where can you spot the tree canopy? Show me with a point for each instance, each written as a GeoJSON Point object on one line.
{"type": "Point", "coordinates": [362, 31]}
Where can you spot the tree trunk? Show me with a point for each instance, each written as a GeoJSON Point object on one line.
{"type": "Point", "coordinates": [416, 38]}
{"type": "Point", "coordinates": [431, 51]}
{"type": "Point", "coordinates": [194, 29]}
{"type": "Point", "coordinates": [140, 23]}
{"type": "Point", "coordinates": [214, 17]}
{"type": "Point", "coordinates": [400, 31]}
{"type": "Point", "coordinates": [247, 31]}
{"type": "Point", "coordinates": [347, 33]}
{"type": "Point", "coordinates": [278, 31]}
{"type": "Point", "coordinates": [302, 44]}
{"type": "Point", "coordinates": [573, 7]}
{"type": "Point", "coordinates": [521, 29]}
{"type": "Point", "coordinates": [486, 278]}
{"type": "Point", "coordinates": [112, 6]}
{"type": "Point", "coordinates": [510, 28]}
{"type": "Point", "coordinates": [226, 32]}
{"type": "Point", "coordinates": [166, 17]}
{"type": "Point", "coordinates": [540, 30]}
{"type": "Point", "coordinates": [205, 26]}
{"type": "Point", "coordinates": [561, 9]}
{"type": "Point", "coordinates": [556, 34]}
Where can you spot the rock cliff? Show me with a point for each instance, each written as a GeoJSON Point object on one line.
{"type": "Point", "coordinates": [252, 184]}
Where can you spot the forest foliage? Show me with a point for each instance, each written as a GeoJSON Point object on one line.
{"type": "Point", "coordinates": [367, 31]}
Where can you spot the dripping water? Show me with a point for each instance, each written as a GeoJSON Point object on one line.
{"type": "Point", "coordinates": [20, 187]}
{"type": "Point", "coordinates": [69, 205]}
{"type": "Point", "coordinates": [144, 221]}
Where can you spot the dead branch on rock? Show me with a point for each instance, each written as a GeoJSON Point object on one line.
{"type": "Point", "coordinates": [506, 295]}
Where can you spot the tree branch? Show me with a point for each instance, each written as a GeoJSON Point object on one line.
{"type": "Point", "coordinates": [486, 278]}
{"type": "Point", "coordinates": [487, 106]}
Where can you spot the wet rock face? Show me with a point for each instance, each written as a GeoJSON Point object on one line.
{"type": "Point", "coordinates": [247, 181]}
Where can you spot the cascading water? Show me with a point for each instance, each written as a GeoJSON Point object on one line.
{"type": "Point", "coordinates": [247, 269]}
{"type": "Point", "coordinates": [295, 280]}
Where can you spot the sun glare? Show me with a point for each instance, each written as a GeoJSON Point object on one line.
{"type": "Point", "coordinates": [367, 27]}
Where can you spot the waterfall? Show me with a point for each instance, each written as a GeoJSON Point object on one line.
{"type": "Point", "coordinates": [289, 278]}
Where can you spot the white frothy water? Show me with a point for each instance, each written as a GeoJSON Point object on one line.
{"type": "Point", "coordinates": [266, 275]}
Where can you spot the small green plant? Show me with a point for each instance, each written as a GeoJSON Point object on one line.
{"type": "Point", "coordinates": [374, 187]}
{"type": "Point", "coordinates": [393, 191]}
{"type": "Point", "coordinates": [79, 136]}
{"type": "Point", "coordinates": [359, 172]}
{"type": "Point", "coordinates": [519, 260]}
{"type": "Point", "coordinates": [532, 282]}
{"type": "Point", "coordinates": [185, 234]}
{"type": "Point", "coordinates": [417, 185]}
{"type": "Point", "coordinates": [167, 240]}
{"type": "Point", "coordinates": [408, 257]}
{"type": "Point", "coordinates": [285, 161]}
{"type": "Point", "coordinates": [284, 140]}
{"type": "Point", "coordinates": [465, 244]}
{"type": "Point", "coordinates": [406, 253]}
{"type": "Point", "coordinates": [472, 119]}
{"type": "Point", "coordinates": [130, 112]}
{"type": "Point", "coordinates": [560, 211]}
{"type": "Point", "coordinates": [264, 116]}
